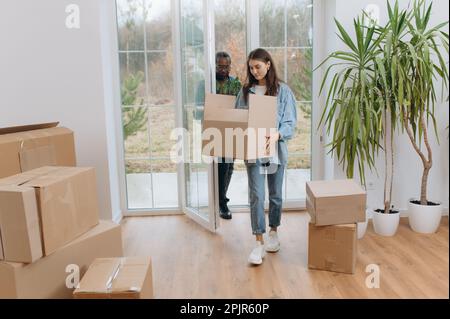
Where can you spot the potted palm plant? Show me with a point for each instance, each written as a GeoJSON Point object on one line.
{"type": "Point", "coordinates": [386, 219]}
{"type": "Point", "coordinates": [422, 65]}
{"type": "Point", "coordinates": [359, 109]}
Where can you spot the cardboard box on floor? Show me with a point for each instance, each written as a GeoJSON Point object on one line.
{"type": "Point", "coordinates": [67, 206]}
{"type": "Point", "coordinates": [117, 278]}
{"type": "Point", "coordinates": [332, 248]}
{"type": "Point", "coordinates": [335, 202]}
{"type": "Point", "coordinates": [47, 277]}
{"type": "Point", "coordinates": [23, 148]}
{"type": "Point", "coordinates": [238, 133]}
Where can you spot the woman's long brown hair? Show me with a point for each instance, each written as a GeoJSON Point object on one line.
{"type": "Point", "coordinates": [272, 80]}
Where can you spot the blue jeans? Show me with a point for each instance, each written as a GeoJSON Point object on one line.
{"type": "Point", "coordinates": [256, 187]}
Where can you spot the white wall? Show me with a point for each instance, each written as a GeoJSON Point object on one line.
{"type": "Point", "coordinates": [51, 73]}
{"type": "Point", "coordinates": [408, 167]}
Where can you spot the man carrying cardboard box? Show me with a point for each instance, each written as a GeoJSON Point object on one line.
{"type": "Point", "coordinates": [225, 85]}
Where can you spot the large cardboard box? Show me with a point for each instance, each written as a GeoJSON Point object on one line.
{"type": "Point", "coordinates": [66, 198]}
{"type": "Point", "coordinates": [20, 235]}
{"type": "Point", "coordinates": [332, 248]}
{"type": "Point", "coordinates": [238, 133]}
{"type": "Point", "coordinates": [335, 202]}
{"type": "Point", "coordinates": [48, 277]}
{"type": "Point", "coordinates": [117, 278]}
{"type": "Point", "coordinates": [23, 148]}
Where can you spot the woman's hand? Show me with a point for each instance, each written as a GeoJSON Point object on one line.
{"type": "Point", "coordinates": [271, 140]}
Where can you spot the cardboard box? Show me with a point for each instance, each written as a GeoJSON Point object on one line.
{"type": "Point", "coordinates": [27, 147]}
{"type": "Point", "coordinates": [335, 202]}
{"type": "Point", "coordinates": [332, 248]}
{"type": "Point", "coordinates": [238, 133]}
{"type": "Point", "coordinates": [47, 277]}
{"type": "Point", "coordinates": [66, 198]}
{"type": "Point", "coordinates": [20, 235]}
{"type": "Point", "coordinates": [117, 278]}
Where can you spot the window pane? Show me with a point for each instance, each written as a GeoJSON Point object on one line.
{"type": "Point", "coordinates": [137, 166]}
{"type": "Point", "coordinates": [299, 23]}
{"type": "Point", "coordinates": [271, 23]}
{"type": "Point", "coordinates": [193, 93]}
{"type": "Point", "coordinates": [278, 56]}
{"type": "Point", "coordinates": [139, 184]}
{"type": "Point", "coordinates": [191, 185]}
{"type": "Point", "coordinates": [135, 129]}
{"type": "Point", "coordinates": [151, 184]}
{"type": "Point", "coordinates": [160, 78]}
{"type": "Point", "coordinates": [162, 122]}
{"type": "Point", "coordinates": [130, 24]}
{"type": "Point", "coordinates": [203, 186]}
{"type": "Point", "coordinates": [158, 25]}
{"type": "Point", "coordinates": [165, 190]}
{"type": "Point", "coordinates": [300, 144]}
{"type": "Point", "coordinates": [296, 177]}
{"type": "Point", "coordinates": [147, 80]}
{"type": "Point", "coordinates": [231, 32]}
{"type": "Point", "coordinates": [300, 73]}
{"type": "Point", "coordinates": [132, 78]}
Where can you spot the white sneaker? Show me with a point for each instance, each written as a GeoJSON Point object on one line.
{"type": "Point", "coordinates": [257, 254]}
{"type": "Point", "coordinates": [273, 244]}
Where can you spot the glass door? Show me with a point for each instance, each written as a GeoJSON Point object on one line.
{"type": "Point", "coordinates": [167, 63]}
{"type": "Point", "coordinates": [194, 57]}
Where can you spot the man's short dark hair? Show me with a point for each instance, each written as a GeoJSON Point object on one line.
{"type": "Point", "coordinates": [222, 55]}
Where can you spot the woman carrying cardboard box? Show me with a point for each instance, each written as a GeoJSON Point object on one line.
{"type": "Point", "coordinates": [262, 79]}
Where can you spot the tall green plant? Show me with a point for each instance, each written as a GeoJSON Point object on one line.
{"type": "Point", "coordinates": [421, 66]}
{"type": "Point", "coordinates": [353, 109]}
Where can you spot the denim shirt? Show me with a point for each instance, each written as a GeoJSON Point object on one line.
{"type": "Point", "coordinates": [286, 118]}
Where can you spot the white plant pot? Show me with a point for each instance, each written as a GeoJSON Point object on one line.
{"type": "Point", "coordinates": [424, 219]}
{"type": "Point", "coordinates": [385, 224]}
{"type": "Point", "coordinates": [362, 226]}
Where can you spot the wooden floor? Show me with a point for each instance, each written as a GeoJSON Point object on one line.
{"type": "Point", "coordinates": [191, 262]}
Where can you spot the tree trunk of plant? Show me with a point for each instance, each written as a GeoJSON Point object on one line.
{"type": "Point", "coordinates": [392, 165]}
{"type": "Point", "coordinates": [427, 163]}
{"type": "Point", "coordinates": [385, 201]}
{"type": "Point", "coordinates": [423, 187]}
{"type": "Point", "coordinates": [389, 167]}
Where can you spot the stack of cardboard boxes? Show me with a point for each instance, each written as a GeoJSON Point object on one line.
{"type": "Point", "coordinates": [50, 230]}
{"type": "Point", "coordinates": [335, 208]}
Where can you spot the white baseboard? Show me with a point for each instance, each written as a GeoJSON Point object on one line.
{"type": "Point", "coordinates": [118, 219]}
